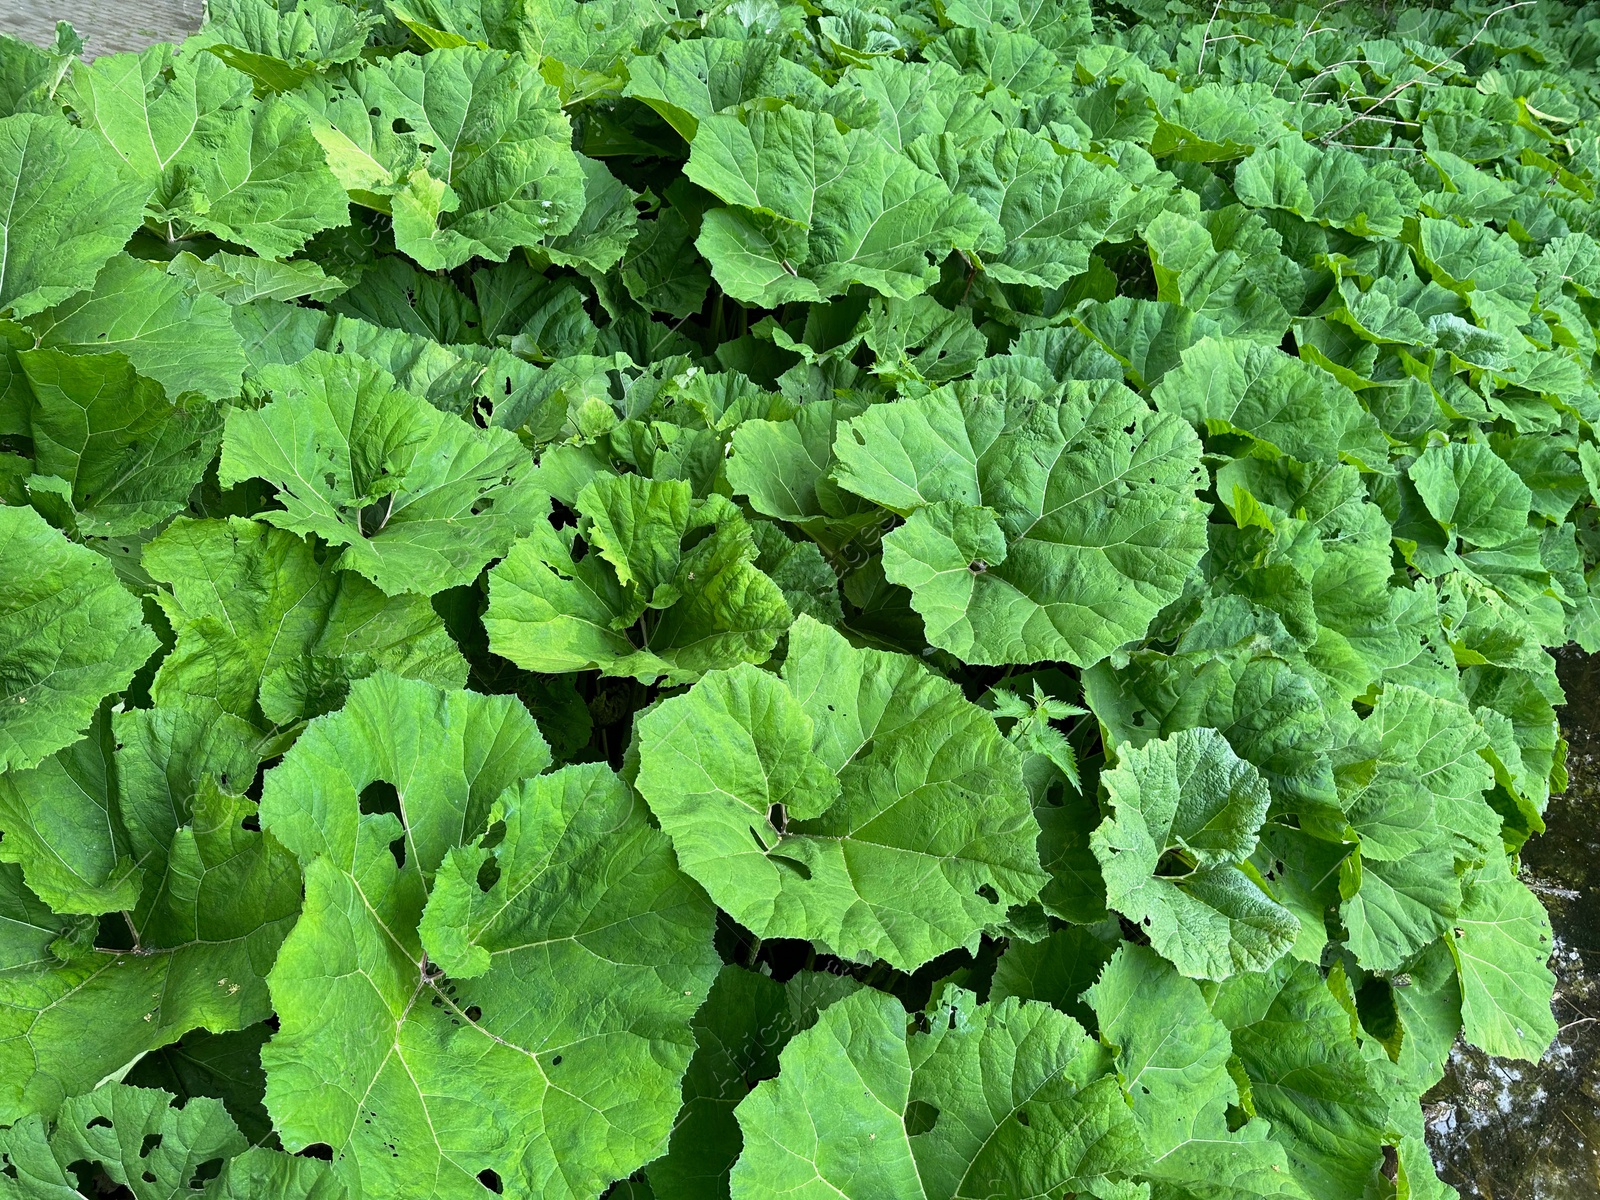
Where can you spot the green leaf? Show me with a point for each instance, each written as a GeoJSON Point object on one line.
{"type": "Point", "coordinates": [604, 228]}
{"type": "Point", "coordinates": [419, 499]}
{"type": "Point", "coordinates": [1056, 23]}
{"type": "Point", "coordinates": [62, 828]}
{"type": "Point", "coordinates": [225, 1066]}
{"type": "Point", "coordinates": [29, 932]}
{"type": "Point", "coordinates": [1393, 908]}
{"type": "Point", "coordinates": [1199, 271]}
{"type": "Point", "coordinates": [1326, 184]}
{"type": "Point", "coordinates": [69, 636]}
{"type": "Point", "coordinates": [745, 1022]}
{"type": "Point", "coordinates": [1229, 385]}
{"type": "Point", "coordinates": [858, 801]}
{"type": "Point", "coordinates": [689, 81]}
{"type": "Point", "coordinates": [1429, 763]}
{"type": "Point", "coordinates": [1056, 970]}
{"type": "Point", "coordinates": [1501, 941]}
{"type": "Point", "coordinates": [183, 341]}
{"type": "Point", "coordinates": [1327, 1095]}
{"type": "Point", "coordinates": [785, 469]}
{"type": "Point", "coordinates": [72, 205]}
{"type": "Point", "coordinates": [245, 170]}
{"type": "Point", "coordinates": [30, 74]}
{"type": "Point", "coordinates": [925, 102]}
{"type": "Point", "coordinates": [1485, 267]}
{"type": "Point", "coordinates": [228, 897]}
{"type": "Point", "coordinates": [1172, 1060]}
{"type": "Point", "coordinates": [1471, 492]}
{"type": "Point", "coordinates": [1034, 524]}
{"type": "Point", "coordinates": [459, 748]}
{"type": "Point", "coordinates": [661, 269]}
{"type": "Point", "coordinates": [128, 454]}
{"type": "Point", "coordinates": [282, 47]}
{"type": "Point", "coordinates": [406, 1041]}
{"type": "Point", "coordinates": [1016, 1092]}
{"type": "Point", "coordinates": [1189, 800]}
{"type": "Point", "coordinates": [801, 573]}
{"type": "Point", "coordinates": [634, 601]}
{"type": "Point", "coordinates": [243, 279]}
{"type": "Point", "coordinates": [815, 211]}
{"type": "Point", "coordinates": [498, 171]}
{"type": "Point", "coordinates": [267, 633]}
{"type": "Point", "coordinates": [1053, 208]}
{"type": "Point", "coordinates": [1268, 711]}
{"type": "Point", "coordinates": [92, 827]}
{"type": "Point", "coordinates": [153, 1150]}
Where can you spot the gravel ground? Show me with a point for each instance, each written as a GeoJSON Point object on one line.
{"type": "Point", "coordinates": [108, 27]}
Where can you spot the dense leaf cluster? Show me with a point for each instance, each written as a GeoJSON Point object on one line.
{"type": "Point", "coordinates": [868, 598]}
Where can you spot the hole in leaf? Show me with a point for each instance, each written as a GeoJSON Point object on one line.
{"type": "Point", "coordinates": [99, 1123]}
{"type": "Point", "coordinates": [210, 1169]}
{"type": "Point", "coordinates": [473, 1012]}
{"type": "Point", "coordinates": [493, 836]}
{"type": "Point", "coordinates": [1172, 866]}
{"type": "Point", "coordinates": [380, 796]}
{"type": "Point", "coordinates": [977, 566]}
{"type": "Point", "coordinates": [921, 1117]}
{"type": "Point", "coordinates": [579, 549]}
{"type": "Point", "coordinates": [556, 1061]}
{"type": "Point", "coordinates": [488, 874]}
{"type": "Point", "coordinates": [151, 1141]}
{"type": "Point", "coordinates": [1022, 1118]}
{"type": "Point", "coordinates": [776, 817]}
{"type": "Point", "coordinates": [148, 1176]}
{"type": "Point", "coordinates": [398, 849]}
{"type": "Point", "coordinates": [482, 506]}
{"type": "Point", "coordinates": [693, 538]}
{"type": "Point", "coordinates": [252, 823]}
{"type": "Point", "coordinates": [988, 893]}
{"type": "Point", "coordinates": [401, 125]}
{"type": "Point", "coordinates": [793, 864]}
{"type": "Point", "coordinates": [490, 1180]}
{"type": "Point", "coordinates": [318, 1150]}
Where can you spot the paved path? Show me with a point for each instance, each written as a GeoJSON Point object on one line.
{"type": "Point", "coordinates": [108, 26]}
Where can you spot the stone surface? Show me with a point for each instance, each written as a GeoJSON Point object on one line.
{"type": "Point", "coordinates": [107, 26]}
{"type": "Point", "coordinates": [1502, 1129]}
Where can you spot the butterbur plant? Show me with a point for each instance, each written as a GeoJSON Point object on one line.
{"type": "Point", "coordinates": [898, 600]}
